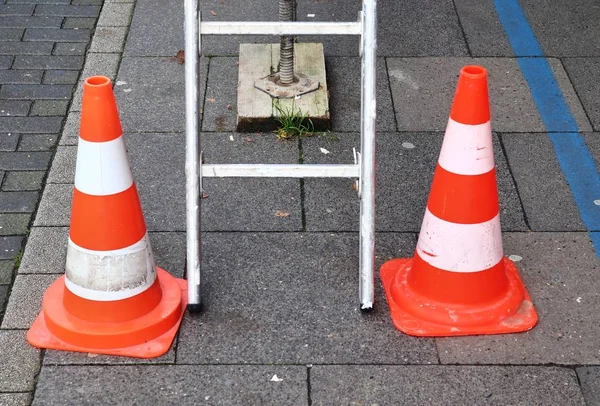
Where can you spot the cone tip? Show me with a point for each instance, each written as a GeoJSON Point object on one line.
{"type": "Point", "coordinates": [471, 101]}
{"type": "Point", "coordinates": [96, 81]}
{"type": "Point", "coordinates": [99, 116]}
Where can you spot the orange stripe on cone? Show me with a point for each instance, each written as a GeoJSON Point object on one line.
{"type": "Point", "coordinates": [113, 299]}
{"type": "Point", "coordinates": [105, 223]}
{"type": "Point", "coordinates": [459, 282]}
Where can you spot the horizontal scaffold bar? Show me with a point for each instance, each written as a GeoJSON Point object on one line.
{"type": "Point", "coordinates": [280, 171]}
{"type": "Point", "coordinates": [279, 28]}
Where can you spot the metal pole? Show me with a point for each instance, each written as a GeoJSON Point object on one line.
{"type": "Point", "coordinates": [367, 179]}
{"type": "Point", "coordinates": [192, 155]}
{"type": "Point", "coordinates": [287, 12]}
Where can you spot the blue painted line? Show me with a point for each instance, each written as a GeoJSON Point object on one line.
{"type": "Point", "coordinates": [572, 154]}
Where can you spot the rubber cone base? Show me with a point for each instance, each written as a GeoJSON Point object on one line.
{"type": "Point", "coordinates": [419, 316]}
{"type": "Point", "coordinates": [148, 336]}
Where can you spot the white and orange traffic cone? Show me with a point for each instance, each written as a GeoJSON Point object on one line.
{"type": "Point", "coordinates": [459, 282]}
{"type": "Point", "coordinates": [112, 299]}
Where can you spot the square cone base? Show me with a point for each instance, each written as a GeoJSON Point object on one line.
{"type": "Point", "coordinates": [394, 278]}
{"type": "Point", "coordinates": [174, 294]}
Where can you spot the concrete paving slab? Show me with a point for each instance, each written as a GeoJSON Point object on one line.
{"type": "Point", "coordinates": [405, 167]}
{"type": "Point", "coordinates": [46, 251]}
{"type": "Point", "coordinates": [63, 165]}
{"type": "Point", "coordinates": [116, 15]}
{"type": "Point", "coordinates": [584, 73]}
{"type": "Point", "coordinates": [250, 204]}
{"type": "Point", "coordinates": [19, 362]}
{"type": "Point", "coordinates": [343, 75]}
{"type": "Point", "coordinates": [55, 207]}
{"type": "Point", "coordinates": [592, 141]}
{"type": "Point", "coordinates": [15, 399]}
{"type": "Point", "coordinates": [406, 30]}
{"type": "Point", "coordinates": [296, 303]}
{"type": "Point", "coordinates": [423, 89]}
{"type": "Point", "coordinates": [546, 197]}
{"type": "Point", "coordinates": [156, 28]}
{"type": "Point", "coordinates": [70, 133]}
{"type": "Point", "coordinates": [572, 30]}
{"type": "Point", "coordinates": [109, 39]}
{"type": "Point", "coordinates": [220, 105]}
{"type": "Point", "coordinates": [434, 385]}
{"type": "Point", "coordinates": [169, 384]}
{"type": "Point", "coordinates": [589, 377]}
{"type": "Point", "coordinates": [150, 95]}
{"type": "Point", "coordinates": [25, 300]}
{"type": "Point", "coordinates": [476, 14]}
{"type": "Point", "coordinates": [560, 273]}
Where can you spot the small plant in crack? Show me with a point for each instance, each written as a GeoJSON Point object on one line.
{"type": "Point", "coordinates": [292, 122]}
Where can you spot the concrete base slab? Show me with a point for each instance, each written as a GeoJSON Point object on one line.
{"type": "Point", "coordinates": [257, 110]}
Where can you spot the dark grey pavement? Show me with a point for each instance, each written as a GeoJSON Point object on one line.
{"type": "Point", "coordinates": [281, 323]}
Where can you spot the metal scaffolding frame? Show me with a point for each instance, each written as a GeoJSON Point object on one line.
{"type": "Point", "coordinates": [363, 168]}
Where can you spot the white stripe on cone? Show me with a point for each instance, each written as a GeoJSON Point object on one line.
{"type": "Point", "coordinates": [467, 149]}
{"type": "Point", "coordinates": [110, 275]}
{"type": "Point", "coordinates": [102, 167]}
{"type": "Point", "coordinates": [460, 247]}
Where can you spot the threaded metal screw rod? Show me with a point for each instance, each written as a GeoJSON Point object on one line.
{"type": "Point", "coordinates": [287, 12]}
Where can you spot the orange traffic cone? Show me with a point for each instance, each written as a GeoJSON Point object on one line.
{"type": "Point", "coordinates": [112, 299]}
{"type": "Point", "coordinates": [459, 282]}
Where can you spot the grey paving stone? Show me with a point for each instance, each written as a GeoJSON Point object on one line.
{"type": "Point", "coordinates": [423, 89]}
{"type": "Point", "coordinates": [55, 207]}
{"type": "Point", "coordinates": [18, 202]}
{"type": "Point", "coordinates": [46, 251]}
{"type": "Point", "coordinates": [24, 161]}
{"type": "Point", "coordinates": [105, 64]}
{"type": "Point", "coordinates": [589, 377]}
{"type": "Point", "coordinates": [115, 15]}
{"type": "Point", "coordinates": [6, 272]}
{"type": "Point", "coordinates": [573, 31]}
{"type": "Point", "coordinates": [26, 180]}
{"type": "Point", "coordinates": [26, 300]}
{"type": "Point", "coordinates": [306, 292]}
{"type": "Point", "coordinates": [15, 399]}
{"type": "Point", "coordinates": [20, 76]}
{"type": "Point", "coordinates": [63, 165]}
{"type": "Point", "coordinates": [170, 384]}
{"type": "Point", "coordinates": [70, 133]}
{"type": "Point", "coordinates": [434, 385]}
{"type": "Point", "coordinates": [71, 48]}
{"type": "Point", "coordinates": [16, 9]}
{"type": "Point", "coordinates": [221, 92]}
{"type": "Point", "coordinates": [14, 108]}
{"type": "Point", "coordinates": [150, 95]}
{"type": "Point", "coordinates": [10, 246]}
{"type": "Point", "coordinates": [549, 204]}
{"type": "Point", "coordinates": [80, 22]}
{"type": "Point", "coordinates": [28, 92]}
{"type": "Point", "coordinates": [67, 11]}
{"type": "Point", "coordinates": [592, 141]}
{"type": "Point", "coordinates": [48, 62]}
{"type": "Point", "coordinates": [26, 48]}
{"type": "Point", "coordinates": [87, 2]}
{"type": "Point", "coordinates": [50, 108]}
{"type": "Point", "coordinates": [57, 77]}
{"type": "Point", "coordinates": [585, 76]}
{"type": "Point", "coordinates": [109, 39]}
{"type": "Point", "coordinates": [405, 30]}
{"type": "Point", "coordinates": [250, 204]}
{"type": "Point", "coordinates": [29, 22]}
{"type": "Point", "coordinates": [19, 362]}
{"type": "Point", "coordinates": [343, 76]}
{"type": "Point", "coordinates": [11, 34]}
{"type": "Point", "coordinates": [492, 40]}
{"type": "Point", "coordinates": [165, 38]}
{"type": "Point", "coordinates": [9, 142]}
{"type": "Point", "coordinates": [6, 61]}
{"type": "Point", "coordinates": [405, 167]}
{"type": "Point", "coordinates": [14, 223]}
{"type": "Point", "coordinates": [39, 1]}
{"type": "Point", "coordinates": [57, 35]}
{"type": "Point", "coordinates": [560, 273]}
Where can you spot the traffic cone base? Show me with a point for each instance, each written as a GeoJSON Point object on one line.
{"type": "Point", "coordinates": [147, 336]}
{"type": "Point", "coordinates": [416, 315]}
